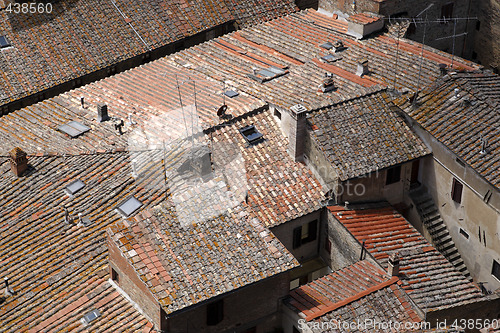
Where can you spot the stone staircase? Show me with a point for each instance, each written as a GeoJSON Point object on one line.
{"type": "Point", "coordinates": [434, 224]}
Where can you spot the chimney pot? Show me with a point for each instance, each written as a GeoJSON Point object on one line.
{"type": "Point", "coordinates": [393, 266]}
{"type": "Point", "coordinates": [102, 112]}
{"type": "Point", "coordinates": [18, 161]}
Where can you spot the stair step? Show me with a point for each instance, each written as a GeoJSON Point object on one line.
{"type": "Point", "coordinates": [433, 220]}
{"type": "Point", "coordinates": [438, 235]}
{"type": "Point", "coordinates": [455, 258]}
{"type": "Point", "coordinates": [449, 250]}
{"type": "Point", "coordinates": [436, 226]}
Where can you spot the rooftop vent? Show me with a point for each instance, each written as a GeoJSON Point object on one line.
{"type": "Point", "coordinates": [231, 93]}
{"type": "Point", "coordinates": [102, 112]}
{"type": "Point", "coordinates": [8, 290]}
{"type": "Point", "coordinates": [18, 161]}
{"type": "Point", "coordinates": [74, 187]}
{"type": "Point", "coordinates": [73, 129]}
{"type": "Point", "coordinates": [4, 42]}
{"type": "Point", "coordinates": [251, 134]}
{"type": "Point", "coordinates": [484, 143]}
{"type": "Point", "coordinates": [338, 45]}
{"type": "Point", "coordinates": [89, 317]}
{"type": "Point", "coordinates": [267, 74]}
{"type": "Point", "coordinates": [362, 67]}
{"type": "Point", "coordinates": [129, 207]}
{"type": "Point", "coordinates": [361, 25]}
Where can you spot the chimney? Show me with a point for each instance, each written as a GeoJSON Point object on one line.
{"type": "Point", "coordinates": [102, 112]}
{"type": "Point", "coordinates": [362, 67]}
{"type": "Point", "coordinates": [393, 267]}
{"type": "Point", "coordinates": [296, 131]}
{"type": "Point", "coordinates": [361, 25]}
{"type": "Point", "coordinates": [327, 85]}
{"type": "Point", "coordinates": [18, 161]}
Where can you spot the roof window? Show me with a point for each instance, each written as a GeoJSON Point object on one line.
{"type": "Point", "coordinates": [129, 207]}
{"type": "Point", "coordinates": [267, 74]}
{"type": "Point", "coordinates": [73, 128]}
{"type": "Point", "coordinates": [251, 134]}
{"type": "Point", "coordinates": [91, 316]}
{"type": "Point", "coordinates": [231, 93]}
{"type": "Point", "coordinates": [4, 42]}
{"type": "Point", "coordinates": [74, 187]}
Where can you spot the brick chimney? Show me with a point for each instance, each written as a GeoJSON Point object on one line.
{"type": "Point", "coordinates": [393, 266]}
{"type": "Point", "coordinates": [296, 131]}
{"type": "Point", "coordinates": [102, 112]}
{"type": "Point", "coordinates": [18, 161]}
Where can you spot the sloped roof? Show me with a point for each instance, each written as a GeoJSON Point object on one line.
{"type": "Point", "coordinates": [199, 261]}
{"type": "Point", "coordinates": [56, 268]}
{"type": "Point", "coordinates": [425, 274]}
{"type": "Point", "coordinates": [461, 122]}
{"type": "Point", "coordinates": [292, 43]}
{"type": "Point", "coordinates": [148, 93]}
{"type": "Point", "coordinates": [80, 37]}
{"type": "Point", "coordinates": [363, 135]}
{"type": "Point", "coordinates": [357, 292]}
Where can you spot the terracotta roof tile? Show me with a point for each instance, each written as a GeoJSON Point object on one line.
{"type": "Point", "coordinates": [425, 274]}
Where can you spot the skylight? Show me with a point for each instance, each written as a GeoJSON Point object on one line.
{"type": "Point", "coordinates": [267, 74]}
{"type": "Point", "coordinates": [326, 45]}
{"type": "Point", "coordinates": [231, 93]}
{"type": "Point", "coordinates": [250, 134]}
{"type": "Point", "coordinates": [74, 187]}
{"type": "Point", "coordinates": [129, 207]}
{"type": "Point", "coordinates": [330, 58]}
{"type": "Point", "coordinates": [4, 42]}
{"type": "Point", "coordinates": [73, 129]}
{"type": "Point", "coordinates": [91, 316]}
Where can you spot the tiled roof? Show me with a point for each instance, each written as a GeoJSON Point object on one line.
{"type": "Point", "coordinates": [80, 37]}
{"type": "Point", "coordinates": [56, 268]}
{"type": "Point", "coordinates": [248, 12]}
{"type": "Point", "coordinates": [292, 43]}
{"type": "Point", "coordinates": [357, 292]}
{"type": "Point", "coordinates": [184, 265]}
{"type": "Point", "coordinates": [363, 135]}
{"type": "Point", "coordinates": [280, 189]}
{"type": "Point", "coordinates": [460, 122]}
{"type": "Point", "coordinates": [148, 93]}
{"type": "Point", "coordinates": [425, 274]}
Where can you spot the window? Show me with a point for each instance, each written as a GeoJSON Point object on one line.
{"type": "Point", "coordinates": [495, 270]}
{"type": "Point", "coordinates": [305, 234]}
{"type": "Point", "coordinates": [277, 114]}
{"type": "Point", "coordinates": [464, 233]}
{"type": "Point", "coordinates": [474, 55]}
{"type": "Point", "coordinates": [478, 25]}
{"type": "Point", "coordinates": [446, 12]}
{"type": "Point", "coordinates": [251, 134]}
{"type": "Point", "coordinates": [456, 191]}
{"type": "Point", "coordinates": [215, 313]}
{"type": "Point", "coordinates": [393, 175]}
{"type": "Point", "coordinates": [115, 276]}
{"type": "Point", "coordinates": [412, 28]}
{"type": "Point", "coordinates": [4, 42]}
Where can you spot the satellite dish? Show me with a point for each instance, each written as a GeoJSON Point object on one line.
{"type": "Point", "coordinates": [222, 110]}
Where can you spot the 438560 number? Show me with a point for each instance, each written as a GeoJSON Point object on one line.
{"type": "Point", "coordinates": [29, 8]}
